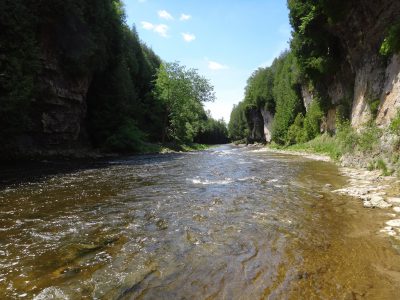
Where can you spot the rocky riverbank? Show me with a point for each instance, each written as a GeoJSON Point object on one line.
{"type": "Point", "coordinates": [371, 187]}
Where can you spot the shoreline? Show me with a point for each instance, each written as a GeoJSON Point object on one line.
{"type": "Point", "coordinates": [370, 187]}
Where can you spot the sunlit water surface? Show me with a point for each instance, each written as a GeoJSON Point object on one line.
{"type": "Point", "coordinates": [227, 223]}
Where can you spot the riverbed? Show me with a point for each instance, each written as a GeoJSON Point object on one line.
{"type": "Point", "coordinates": [225, 223]}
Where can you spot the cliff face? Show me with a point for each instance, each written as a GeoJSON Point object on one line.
{"type": "Point", "coordinates": [268, 119]}
{"type": "Point", "coordinates": [57, 112]}
{"type": "Point", "coordinates": [256, 124]}
{"type": "Point", "coordinates": [390, 96]}
{"type": "Point", "coordinates": [365, 76]}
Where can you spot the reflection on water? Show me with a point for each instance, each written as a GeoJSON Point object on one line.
{"type": "Point", "coordinates": [227, 223]}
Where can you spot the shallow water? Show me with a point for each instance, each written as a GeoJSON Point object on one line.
{"type": "Point", "coordinates": [227, 223]}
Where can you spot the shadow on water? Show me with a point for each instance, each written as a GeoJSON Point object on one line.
{"type": "Point", "coordinates": [37, 171]}
{"type": "Point", "coordinates": [226, 223]}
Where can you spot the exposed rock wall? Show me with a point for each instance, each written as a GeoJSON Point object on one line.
{"type": "Point", "coordinates": [256, 124]}
{"type": "Point", "coordinates": [390, 96]}
{"type": "Point", "coordinates": [307, 97]}
{"type": "Point", "coordinates": [268, 119]}
{"type": "Point", "coordinates": [361, 35]}
{"type": "Point", "coordinates": [57, 112]}
{"type": "Point", "coordinates": [364, 75]}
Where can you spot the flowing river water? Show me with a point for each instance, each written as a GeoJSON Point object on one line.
{"type": "Point", "coordinates": [226, 223]}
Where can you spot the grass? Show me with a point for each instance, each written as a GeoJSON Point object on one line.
{"type": "Point", "coordinates": [172, 147]}
{"type": "Point", "coordinates": [380, 165]}
{"type": "Point", "coordinates": [322, 144]}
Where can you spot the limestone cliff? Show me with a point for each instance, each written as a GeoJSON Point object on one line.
{"type": "Point", "coordinates": [256, 125]}
{"type": "Point", "coordinates": [364, 76]}
{"type": "Point", "coordinates": [57, 112]}
{"type": "Point", "coordinates": [268, 119]}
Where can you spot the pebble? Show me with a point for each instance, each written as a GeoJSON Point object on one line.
{"type": "Point", "coordinates": [396, 209]}
{"type": "Point", "coordinates": [377, 201]}
{"type": "Point", "coordinates": [394, 200]}
{"type": "Point", "coordinates": [388, 231]}
{"type": "Point", "coordinates": [393, 223]}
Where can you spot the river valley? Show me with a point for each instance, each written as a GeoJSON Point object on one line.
{"type": "Point", "coordinates": [225, 223]}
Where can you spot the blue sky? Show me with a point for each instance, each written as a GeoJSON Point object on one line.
{"type": "Point", "coordinates": [225, 40]}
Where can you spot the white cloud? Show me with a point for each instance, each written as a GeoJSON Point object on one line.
{"type": "Point", "coordinates": [215, 66]}
{"type": "Point", "coordinates": [185, 17]}
{"type": "Point", "coordinates": [161, 29]}
{"type": "Point", "coordinates": [163, 14]}
{"type": "Point", "coordinates": [147, 25]}
{"type": "Point", "coordinates": [188, 37]}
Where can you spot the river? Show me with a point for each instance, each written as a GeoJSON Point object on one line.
{"type": "Point", "coordinates": [225, 223]}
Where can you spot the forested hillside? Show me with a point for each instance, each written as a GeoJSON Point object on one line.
{"type": "Point", "coordinates": [338, 83]}
{"type": "Point", "coordinates": [74, 75]}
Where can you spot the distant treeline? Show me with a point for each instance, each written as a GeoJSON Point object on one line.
{"type": "Point", "coordinates": [127, 101]}
{"type": "Point", "coordinates": [312, 62]}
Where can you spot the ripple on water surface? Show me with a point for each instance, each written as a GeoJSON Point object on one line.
{"type": "Point", "coordinates": [224, 223]}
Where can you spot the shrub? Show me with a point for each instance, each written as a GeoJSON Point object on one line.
{"type": "Point", "coordinates": [395, 124]}
{"type": "Point", "coordinates": [373, 106]}
{"type": "Point", "coordinates": [312, 121]}
{"type": "Point", "coordinates": [369, 137]}
{"type": "Point", "coordinates": [346, 137]}
{"type": "Point", "coordinates": [381, 165]}
{"type": "Point", "coordinates": [296, 133]}
{"type": "Point", "coordinates": [127, 138]}
{"type": "Point", "coordinates": [391, 43]}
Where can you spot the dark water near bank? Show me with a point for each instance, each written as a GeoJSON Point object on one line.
{"type": "Point", "coordinates": [227, 223]}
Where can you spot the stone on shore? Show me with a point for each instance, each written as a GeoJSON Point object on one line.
{"type": "Point", "coordinates": [393, 223]}
{"type": "Point", "coordinates": [394, 200]}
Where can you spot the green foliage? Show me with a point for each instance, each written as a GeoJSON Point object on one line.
{"type": "Point", "coordinates": [286, 91]}
{"type": "Point", "coordinates": [121, 91]}
{"type": "Point", "coordinates": [316, 49]}
{"type": "Point", "coordinates": [275, 89]}
{"type": "Point", "coordinates": [126, 139]}
{"type": "Point", "coordinates": [296, 133]}
{"type": "Point", "coordinates": [258, 92]}
{"type": "Point", "coordinates": [19, 66]}
{"type": "Point", "coordinates": [391, 43]}
{"type": "Point", "coordinates": [183, 92]}
{"type": "Point", "coordinates": [343, 110]}
{"type": "Point", "coordinates": [346, 136]}
{"type": "Point", "coordinates": [365, 140]}
{"type": "Point", "coordinates": [369, 137]}
{"type": "Point", "coordinates": [237, 127]}
{"type": "Point", "coordinates": [86, 39]}
{"type": "Point", "coordinates": [380, 165]}
{"type": "Point", "coordinates": [90, 41]}
{"type": "Point", "coordinates": [305, 128]}
{"type": "Point", "coordinates": [324, 144]}
{"type": "Point", "coordinates": [395, 124]}
{"type": "Point", "coordinates": [312, 121]}
{"type": "Point", "coordinates": [374, 106]}
{"type": "Point", "coordinates": [212, 132]}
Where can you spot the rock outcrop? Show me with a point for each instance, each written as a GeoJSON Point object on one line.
{"type": "Point", "coordinates": [365, 76]}
{"type": "Point", "coordinates": [268, 118]}
{"type": "Point", "coordinates": [256, 124]}
{"type": "Point", "coordinates": [390, 95]}
{"type": "Point", "coordinates": [57, 112]}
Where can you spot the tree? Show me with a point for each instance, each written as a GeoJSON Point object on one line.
{"type": "Point", "coordinates": [238, 126]}
{"type": "Point", "coordinates": [183, 92]}
{"type": "Point", "coordinates": [258, 91]}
